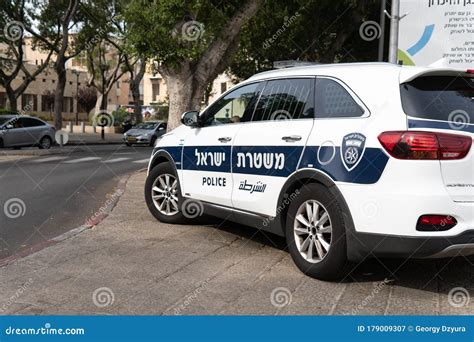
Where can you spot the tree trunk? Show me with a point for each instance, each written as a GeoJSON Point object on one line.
{"type": "Point", "coordinates": [59, 93]}
{"type": "Point", "coordinates": [135, 87]}
{"type": "Point", "coordinates": [181, 97]}
{"type": "Point", "coordinates": [12, 99]}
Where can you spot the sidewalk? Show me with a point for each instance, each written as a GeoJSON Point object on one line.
{"type": "Point", "coordinates": [94, 139]}
{"type": "Point", "coordinates": [131, 264]}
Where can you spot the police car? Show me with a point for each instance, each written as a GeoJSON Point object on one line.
{"type": "Point", "coordinates": [347, 161]}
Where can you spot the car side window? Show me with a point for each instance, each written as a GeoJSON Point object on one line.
{"type": "Point", "coordinates": [286, 99]}
{"type": "Point", "coordinates": [17, 123]}
{"type": "Point", "coordinates": [236, 106]}
{"type": "Point", "coordinates": [30, 122]}
{"type": "Point", "coordinates": [334, 101]}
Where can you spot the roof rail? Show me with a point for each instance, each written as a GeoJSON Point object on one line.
{"type": "Point", "coordinates": [291, 64]}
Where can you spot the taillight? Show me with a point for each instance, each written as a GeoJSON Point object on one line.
{"type": "Point", "coordinates": [429, 223]}
{"type": "Point", "coordinates": [425, 145]}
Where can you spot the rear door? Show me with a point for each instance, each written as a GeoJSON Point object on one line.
{"type": "Point", "coordinates": [445, 103]}
{"type": "Point", "coordinates": [207, 150]}
{"type": "Point", "coordinates": [267, 150]}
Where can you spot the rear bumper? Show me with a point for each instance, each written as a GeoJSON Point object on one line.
{"type": "Point", "coordinates": [363, 245]}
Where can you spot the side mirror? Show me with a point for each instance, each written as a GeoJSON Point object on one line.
{"type": "Point", "coordinates": [190, 118]}
{"type": "Point", "coordinates": [8, 126]}
{"type": "Point", "coordinates": [161, 128]}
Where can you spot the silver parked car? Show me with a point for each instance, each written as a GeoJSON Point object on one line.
{"type": "Point", "coordinates": [145, 133]}
{"type": "Point", "coordinates": [21, 131]}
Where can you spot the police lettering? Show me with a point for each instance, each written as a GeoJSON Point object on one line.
{"type": "Point", "coordinates": [214, 181]}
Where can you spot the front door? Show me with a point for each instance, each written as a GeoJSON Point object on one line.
{"type": "Point", "coordinates": [207, 150]}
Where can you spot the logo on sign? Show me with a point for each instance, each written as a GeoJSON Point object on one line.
{"type": "Point", "coordinates": [352, 150]}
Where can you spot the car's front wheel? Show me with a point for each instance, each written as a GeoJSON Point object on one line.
{"type": "Point", "coordinates": [162, 193]}
{"type": "Point", "coordinates": [315, 233]}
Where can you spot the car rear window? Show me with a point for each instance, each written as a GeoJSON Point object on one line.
{"type": "Point", "coordinates": [438, 97]}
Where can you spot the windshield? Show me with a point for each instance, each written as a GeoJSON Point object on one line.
{"type": "Point", "coordinates": [3, 120]}
{"type": "Point", "coordinates": [439, 98]}
{"type": "Point", "coordinates": [146, 125]}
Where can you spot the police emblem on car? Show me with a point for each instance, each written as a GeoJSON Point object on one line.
{"type": "Point", "coordinates": [352, 150]}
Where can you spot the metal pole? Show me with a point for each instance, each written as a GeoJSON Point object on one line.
{"type": "Point", "coordinates": [77, 98]}
{"type": "Point", "coordinates": [102, 132]}
{"type": "Point", "coordinates": [383, 6]}
{"type": "Point", "coordinates": [395, 20]}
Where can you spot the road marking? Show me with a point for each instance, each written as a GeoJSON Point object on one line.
{"type": "Point", "coordinates": [45, 160]}
{"type": "Point", "coordinates": [116, 160]}
{"type": "Point", "coordinates": [80, 160]}
{"type": "Point", "coordinates": [141, 161]}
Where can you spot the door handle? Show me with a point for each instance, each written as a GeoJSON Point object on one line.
{"type": "Point", "coordinates": [291, 138]}
{"type": "Point", "coordinates": [224, 139]}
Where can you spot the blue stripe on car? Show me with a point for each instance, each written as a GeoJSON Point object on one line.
{"type": "Point", "coordinates": [368, 171]}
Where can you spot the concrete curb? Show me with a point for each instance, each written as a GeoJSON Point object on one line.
{"type": "Point", "coordinates": [121, 187]}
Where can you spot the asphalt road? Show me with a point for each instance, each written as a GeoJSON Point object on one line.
{"type": "Point", "coordinates": [56, 193]}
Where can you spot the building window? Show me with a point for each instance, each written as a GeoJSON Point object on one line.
{"type": "Point", "coordinates": [47, 103]}
{"type": "Point", "coordinates": [155, 90]}
{"type": "Point", "coordinates": [223, 87]}
{"type": "Point", "coordinates": [29, 103]}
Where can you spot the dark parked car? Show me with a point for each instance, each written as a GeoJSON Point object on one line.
{"type": "Point", "coordinates": [145, 133]}
{"type": "Point", "coordinates": [21, 131]}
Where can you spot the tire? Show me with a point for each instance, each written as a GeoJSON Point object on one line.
{"type": "Point", "coordinates": [333, 264]}
{"type": "Point", "coordinates": [162, 170]}
{"type": "Point", "coordinates": [128, 144]}
{"type": "Point", "coordinates": [45, 143]}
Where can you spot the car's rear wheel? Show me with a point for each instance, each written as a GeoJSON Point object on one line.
{"type": "Point", "coordinates": [315, 233]}
{"type": "Point", "coordinates": [45, 143]}
{"type": "Point", "coordinates": [162, 194]}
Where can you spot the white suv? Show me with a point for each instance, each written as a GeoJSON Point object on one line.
{"type": "Point", "coordinates": [347, 161]}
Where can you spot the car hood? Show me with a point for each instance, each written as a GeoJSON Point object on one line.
{"type": "Point", "coordinates": [137, 131]}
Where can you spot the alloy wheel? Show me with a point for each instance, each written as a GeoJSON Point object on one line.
{"type": "Point", "coordinates": [312, 231]}
{"type": "Point", "coordinates": [164, 193]}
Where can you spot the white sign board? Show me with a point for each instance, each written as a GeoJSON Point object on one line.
{"type": "Point", "coordinates": [437, 32]}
